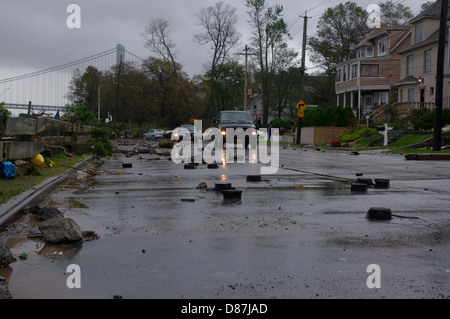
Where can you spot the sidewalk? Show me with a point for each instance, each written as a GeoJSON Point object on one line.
{"type": "Point", "coordinates": [36, 194]}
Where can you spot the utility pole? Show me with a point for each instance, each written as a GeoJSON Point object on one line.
{"type": "Point", "coordinates": [246, 54]}
{"type": "Point", "coordinates": [437, 138]}
{"type": "Point", "coordinates": [302, 76]}
{"type": "Point", "coordinates": [98, 98]}
{"type": "Point", "coordinates": [117, 94]}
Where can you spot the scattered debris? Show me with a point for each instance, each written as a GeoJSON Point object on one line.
{"type": "Point", "coordinates": [359, 187]}
{"type": "Point", "coordinates": [202, 185]}
{"type": "Point", "coordinates": [222, 186]}
{"type": "Point", "coordinates": [253, 178]}
{"type": "Point", "coordinates": [379, 213]}
{"type": "Point", "coordinates": [232, 194]}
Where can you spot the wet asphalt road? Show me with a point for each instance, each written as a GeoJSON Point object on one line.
{"type": "Point", "coordinates": [298, 234]}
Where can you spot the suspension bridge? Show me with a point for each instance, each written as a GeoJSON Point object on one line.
{"type": "Point", "coordinates": [47, 90]}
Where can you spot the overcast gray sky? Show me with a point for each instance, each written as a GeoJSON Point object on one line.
{"type": "Point", "coordinates": [34, 34]}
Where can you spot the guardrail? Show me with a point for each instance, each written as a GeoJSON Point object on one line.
{"type": "Point", "coordinates": [23, 137]}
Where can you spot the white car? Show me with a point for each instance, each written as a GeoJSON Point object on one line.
{"type": "Point", "coordinates": [153, 134]}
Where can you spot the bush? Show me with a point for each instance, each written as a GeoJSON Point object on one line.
{"type": "Point", "coordinates": [357, 133]}
{"type": "Point", "coordinates": [318, 116]}
{"type": "Point", "coordinates": [279, 123]}
{"type": "Point", "coordinates": [335, 144]}
{"type": "Point", "coordinates": [3, 110]}
{"type": "Point", "coordinates": [101, 148]}
{"type": "Point", "coordinates": [423, 119]}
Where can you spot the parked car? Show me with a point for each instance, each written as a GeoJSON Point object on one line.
{"type": "Point", "coordinates": [235, 119]}
{"type": "Point", "coordinates": [153, 134]}
{"type": "Point", "coordinates": [167, 134]}
{"type": "Point", "coordinates": [188, 127]}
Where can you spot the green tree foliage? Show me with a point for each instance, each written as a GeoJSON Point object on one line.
{"type": "Point", "coordinates": [80, 114]}
{"type": "Point", "coordinates": [423, 119]}
{"type": "Point", "coordinates": [319, 116]}
{"type": "Point", "coordinates": [338, 31]}
{"type": "Point", "coordinates": [83, 88]}
{"type": "Point", "coordinates": [395, 13]}
{"type": "Point", "coordinates": [3, 110]}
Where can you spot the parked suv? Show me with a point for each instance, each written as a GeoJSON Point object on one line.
{"type": "Point", "coordinates": [235, 119]}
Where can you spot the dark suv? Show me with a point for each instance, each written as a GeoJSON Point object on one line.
{"type": "Point", "coordinates": [235, 119]}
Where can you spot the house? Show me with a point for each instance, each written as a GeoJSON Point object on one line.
{"type": "Point", "coordinates": [417, 86]}
{"type": "Point", "coordinates": [366, 82]}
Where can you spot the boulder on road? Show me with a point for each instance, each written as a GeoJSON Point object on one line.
{"type": "Point", "coordinates": [60, 230]}
{"type": "Point", "coordinates": [6, 257]}
{"type": "Point", "coordinates": [46, 213]}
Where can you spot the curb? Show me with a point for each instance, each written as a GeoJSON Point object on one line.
{"type": "Point", "coordinates": [428, 157]}
{"type": "Point", "coordinates": [36, 194]}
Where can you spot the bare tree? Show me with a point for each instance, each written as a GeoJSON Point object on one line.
{"type": "Point", "coordinates": [269, 31]}
{"type": "Point", "coordinates": [219, 22]}
{"type": "Point", "coordinates": [157, 40]}
{"type": "Point", "coordinates": [395, 13]}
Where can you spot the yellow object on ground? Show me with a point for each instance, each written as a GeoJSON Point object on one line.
{"type": "Point", "coordinates": [39, 161]}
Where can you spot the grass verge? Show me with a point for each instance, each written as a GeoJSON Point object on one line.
{"type": "Point", "coordinates": [13, 187]}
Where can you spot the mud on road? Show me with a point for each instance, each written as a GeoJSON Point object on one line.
{"type": "Point", "coordinates": [300, 233]}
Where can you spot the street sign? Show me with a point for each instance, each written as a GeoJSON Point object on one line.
{"type": "Point", "coordinates": [192, 120]}
{"type": "Point", "coordinates": [301, 113]}
{"type": "Point", "coordinates": [301, 106]}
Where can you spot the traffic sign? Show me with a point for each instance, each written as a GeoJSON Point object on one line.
{"type": "Point", "coordinates": [192, 120]}
{"type": "Point", "coordinates": [301, 106]}
{"type": "Point", "coordinates": [301, 113]}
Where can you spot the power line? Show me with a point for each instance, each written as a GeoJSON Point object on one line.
{"type": "Point", "coordinates": [57, 68]}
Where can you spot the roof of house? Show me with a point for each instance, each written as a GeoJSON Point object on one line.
{"type": "Point", "coordinates": [408, 80]}
{"type": "Point", "coordinates": [432, 12]}
{"type": "Point", "coordinates": [431, 39]}
{"type": "Point", "coordinates": [384, 30]}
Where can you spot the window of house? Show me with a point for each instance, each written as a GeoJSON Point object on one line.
{"type": "Point", "coordinates": [382, 47]}
{"type": "Point", "coordinates": [370, 70]}
{"type": "Point", "coordinates": [360, 53]}
{"type": "Point", "coordinates": [418, 32]}
{"type": "Point", "coordinates": [427, 61]}
{"type": "Point", "coordinates": [369, 51]}
{"type": "Point", "coordinates": [383, 98]}
{"type": "Point", "coordinates": [345, 73]}
{"type": "Point", "coordinates": [354, 71]}
{"type": "Point", "coordinates": [400, 93]}
{"type": "Point", "coordinates": [432, 90]}
{"type": "Point", "coordinates": [411, 94]}
{"type": "Point", "coordinates": [409, 65]}
{"type": "Point", "coordinates": [338, 75]}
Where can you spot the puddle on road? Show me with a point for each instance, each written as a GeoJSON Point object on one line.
{"type": "Point", "coordinates": [73, 203]}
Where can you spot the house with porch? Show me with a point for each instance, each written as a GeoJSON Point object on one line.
{"type": "Point", "coordinates": [417, 86]}
{"type": "Point", "coordinates": [366, 82]}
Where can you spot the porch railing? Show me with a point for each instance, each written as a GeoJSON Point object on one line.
{"type": "Point", "coordinates": [399, 109]}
